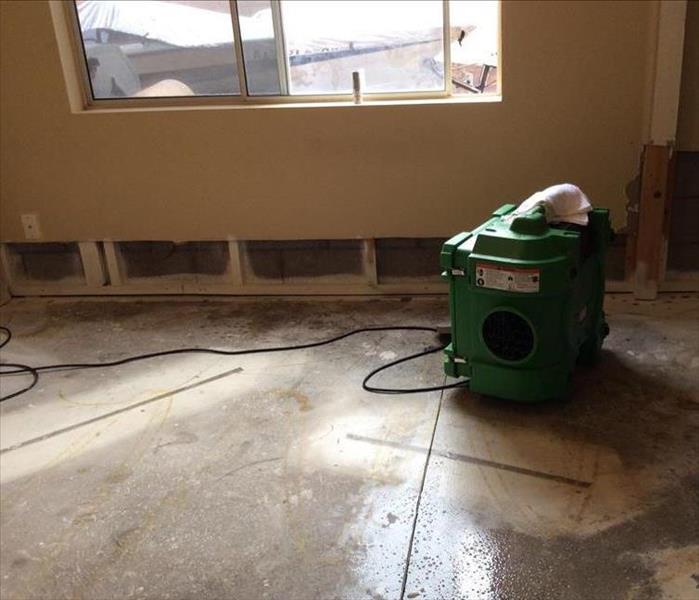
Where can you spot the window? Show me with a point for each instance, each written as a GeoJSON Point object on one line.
{"type": "Point", "coordinates": [276, 50]}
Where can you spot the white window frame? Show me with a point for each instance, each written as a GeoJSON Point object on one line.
{"type": "Point", "coordinates": [244, 99]}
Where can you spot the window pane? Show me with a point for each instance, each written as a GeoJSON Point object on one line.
{"type": "Point", "coordinates": [474, 46]}
{"type": "Point", "coordinates": [262, 67]}
{"type": "Point", "coordinates": [158, 48]}
{"type": "Point", "coordinates": [397, 43]}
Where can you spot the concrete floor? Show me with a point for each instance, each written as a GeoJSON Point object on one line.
{"type": "Point", "coordinates": [276, 476]}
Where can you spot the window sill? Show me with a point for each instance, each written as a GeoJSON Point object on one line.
{"type": "Point", "coordinates": [208, 103]}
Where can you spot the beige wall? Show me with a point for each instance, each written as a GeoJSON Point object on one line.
{"type": "Point", "coordinates": [688, 118]}
{"type": "Point", "coordinates": [575, 82]}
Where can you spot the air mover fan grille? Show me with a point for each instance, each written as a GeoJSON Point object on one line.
{"type": "Point", "coordinates": [508, 336]}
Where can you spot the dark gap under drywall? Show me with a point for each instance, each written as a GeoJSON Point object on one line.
{"type": "Point", "coordinates": [402, 258]}
{"type": "Point", "coordinates": [283, 260]}
{"type": "Point", "coordinates": [683, 246]}
{"type": "Point", "coordinates": [45, 261]}
{"type": "Point", "coordinates": [615, 266]}
{"type": "Point", "coordinates": [157, 259]}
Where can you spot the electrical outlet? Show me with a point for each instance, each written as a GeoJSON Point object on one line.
{"type": "Point", "coordinates": [30, 223]}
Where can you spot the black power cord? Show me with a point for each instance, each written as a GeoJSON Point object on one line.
{"type": "Point", "coordinates": [19, 369]}
{"type": "Point", "coordinates": [378, 390]}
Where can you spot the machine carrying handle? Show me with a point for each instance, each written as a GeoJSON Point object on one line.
{"type": "Point", "coordinates": [532, 222]}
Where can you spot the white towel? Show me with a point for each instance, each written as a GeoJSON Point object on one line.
{"type": "Point", "coordinates": [563, 203]}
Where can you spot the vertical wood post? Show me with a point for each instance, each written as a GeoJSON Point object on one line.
{"type": "Point", "coordinates": [653, 221]}
{"type": "Point", "coordinates": [656, 194]}
{"type": "Point", "coordinates": [369, 261]}
{"type": "Point", "coordinates": [5, 294]}
{"type": "Point", "coordinates": [235, 262]}
{"type": "Point", "coordinates": [112, 258]}
{"type": "Point", "coordinates": [92, 264]}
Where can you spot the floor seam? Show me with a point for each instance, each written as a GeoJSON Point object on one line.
{"type": "Point", "coordinates": [475, 460]}
{"type": "Point", "coordinates": [118, 411]}
{"type": "Point", "coordinates": [419, 495]}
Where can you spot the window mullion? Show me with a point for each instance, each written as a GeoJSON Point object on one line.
{"type": "Point", "coordinates": [238, 43]}
{"type": "Point", "coordinates": [280, 40]}
{"type": "Point", "coordinates": [447, 48]}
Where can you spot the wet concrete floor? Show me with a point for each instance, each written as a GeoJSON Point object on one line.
{"type": "Point", "coordinates": [276, 476]}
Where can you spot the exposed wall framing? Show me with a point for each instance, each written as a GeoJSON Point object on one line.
{"type": "Point", "coordinates": [228, 268]}
{"type": "Point", "coordinates": [648, 257]}
{"type": "Point", "coordinates": [312, 267]}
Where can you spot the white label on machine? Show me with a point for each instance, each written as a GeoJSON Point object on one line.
{"type": "Point", "coordinates": [507, 278]}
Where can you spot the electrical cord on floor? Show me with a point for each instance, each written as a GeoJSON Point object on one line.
{"type": "Point", "coordinates": [378, 390]}
{"type": "Point", "coordinates": [19, 369]}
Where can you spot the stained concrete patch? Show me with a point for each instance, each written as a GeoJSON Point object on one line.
{"type": "Point", "coordinates": [276, 476]}
{"type": "Point", "coordinates": [459, 555]}
{"type": "Point", "coordinates": [675, 573]}
{"type": "Point", "coordinates": [630, 429]}
{"type": "Point", "coordinates": [242, 483]}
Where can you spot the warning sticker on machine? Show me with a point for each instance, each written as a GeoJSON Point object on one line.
{"type": "Point", "coordinates": [507, 278]}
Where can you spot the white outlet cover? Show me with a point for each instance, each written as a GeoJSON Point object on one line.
{"type": "Point", "coordinates": [30, 224]}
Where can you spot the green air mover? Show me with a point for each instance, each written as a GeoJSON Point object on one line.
{"type": "Point", "coordinates": [526, 301]}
